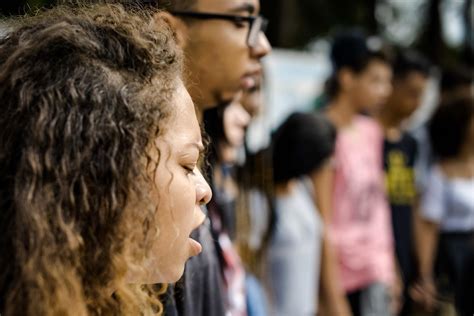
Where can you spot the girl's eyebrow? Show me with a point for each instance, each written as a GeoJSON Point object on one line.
{"type": "Point", "coordinates": [198, 145]}
{"type": "Point", "coordinates": [200, 148]}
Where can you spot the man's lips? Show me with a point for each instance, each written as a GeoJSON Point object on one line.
{"type": "Point", "coordinates": [248, 82]}
{"type": "Point", "coordinates": [251, 79]}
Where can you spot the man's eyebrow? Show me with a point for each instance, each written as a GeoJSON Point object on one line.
{"type": "Point", "coordinates": [245, 7]}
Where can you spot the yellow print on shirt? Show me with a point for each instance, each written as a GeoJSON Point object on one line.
{"type": "Point", "coordinates": [399, 179]}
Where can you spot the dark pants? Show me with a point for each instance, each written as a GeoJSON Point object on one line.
{"type": "Point", "coordinates": [465, 288]}
{"type": "Point", "coordinates": [453, 249]}
{"type": "Point", "coordinates": [454, 264]}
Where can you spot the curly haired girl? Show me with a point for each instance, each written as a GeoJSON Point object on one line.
{"type": "Point", "coordinates": [99, 188]}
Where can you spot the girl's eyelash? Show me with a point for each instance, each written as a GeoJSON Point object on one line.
{"type": "Point", "coordinates": [189, 169]}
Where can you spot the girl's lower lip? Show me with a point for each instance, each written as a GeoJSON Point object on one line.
{"type": "Point", "coordinates": [195, 247]}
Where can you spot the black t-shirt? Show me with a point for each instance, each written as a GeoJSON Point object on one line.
{"type": "Point", "coordinates": [399, 161]}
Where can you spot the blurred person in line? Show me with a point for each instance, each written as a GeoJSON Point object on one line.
{"type": "Point", "coordinates": [254, 180]}
{"type": "Point", "coordinates": [301, 147]}
{"type": "Point", "coordinates": [447, 205]}
{"type": "Point", "coordinates": [252, 99]}
{"type": "Point", "coordinates": [99, 150]}
{"type": "Point", "coordinates": [410, 76]}
{"type": "Point", "coordinates": [455, 80]}
{"type": "Point", "coordinates": [226, 126]}
{"type": "Point", "coordinates": [358, 213]}
{"type": "Point", "coordinates": [253, 210]}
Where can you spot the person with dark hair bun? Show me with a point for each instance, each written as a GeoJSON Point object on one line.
{"type": "Point", "coordinates": [225, 126]}
{"type": "Point", "coordinates": [357, 208]}
{"type": "Point", "coordinates": [301, 147]}
{"type": "Point", "coordinates": [289, 150]}
{"type": "Point", "coordinates": [411, 73]}
{"type": "Point", "coordinates": [447, 206]}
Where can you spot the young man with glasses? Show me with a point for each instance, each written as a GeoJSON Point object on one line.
{"type": "Point", "coordinates": [223, 42]}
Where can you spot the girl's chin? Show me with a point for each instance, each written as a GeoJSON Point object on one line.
{"type": "Point", "coordinates": [152, 273]}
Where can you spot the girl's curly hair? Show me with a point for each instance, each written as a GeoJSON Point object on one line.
{"type": "Point", "coordinates": [83, 94]}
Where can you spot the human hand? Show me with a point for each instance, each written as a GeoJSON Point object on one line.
{"type": "Point", "coordinates": [396, 295]}
{"type": "Point", "coordinates": [424, 293]}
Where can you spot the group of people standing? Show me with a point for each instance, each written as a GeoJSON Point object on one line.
{"type": "Point", "coordinates": [128, 189]}
{"type": "Point", "coordinates": [101, 154]}
{"type": "Point", "coordinates": [390, 209]}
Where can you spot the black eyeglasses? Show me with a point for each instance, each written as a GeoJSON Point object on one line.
{"type": "Point", "coordinates": [257, 23]}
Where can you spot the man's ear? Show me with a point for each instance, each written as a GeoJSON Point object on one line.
{"type": "Point", "coordinates": [179, 28]}
{"type": "Point", "coordinates": [345, 78]}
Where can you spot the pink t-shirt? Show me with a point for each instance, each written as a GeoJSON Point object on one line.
{"type": "Point", "coordinates": [360, 229]}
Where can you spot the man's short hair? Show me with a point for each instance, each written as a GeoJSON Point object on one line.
{"type": "Point", "coordinates": [176, 5]}
{"type": "Point", "coordinates": [408, 61]}
{"type": "Point", "coordinates": [168, 5]}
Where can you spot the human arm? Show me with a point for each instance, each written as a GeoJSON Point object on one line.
{"type": "Point", "coordinates": [427, 216]}
{"type": "Point", "coordinates": [426, 237]}
{"type": "Point", "coordinates": [332, 297]}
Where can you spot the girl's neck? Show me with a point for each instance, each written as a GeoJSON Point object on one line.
{"type": "Point", "coordinates": [341, 111]}
{"type": "Point", "coordinates": [284, 189]}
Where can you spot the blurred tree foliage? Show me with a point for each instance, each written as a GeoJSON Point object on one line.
{"type": "Point", "coordinates": [294, 23]}
{"type": "Point", "coordinates": [20, 7]}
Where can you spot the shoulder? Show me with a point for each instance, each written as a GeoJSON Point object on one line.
{"type": "Point", "coordinates": [369, 126]}
{"type": "Point", "coordinates": [437, 176]}
{"type": "Point", "coordinates": [366, 122]}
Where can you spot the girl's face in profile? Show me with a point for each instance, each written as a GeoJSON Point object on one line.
{"type": "Point", "coordinates": [179, 191]}
{"type": "Point", "coordinates": [236, 119]}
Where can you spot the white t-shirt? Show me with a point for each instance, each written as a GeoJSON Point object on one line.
{"type": "Point", "coordinates": [294, 254]}
{"type": "Point", "coordinates": [449, 202]}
